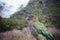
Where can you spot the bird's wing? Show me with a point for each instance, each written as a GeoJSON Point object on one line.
{"type": "Point", "coordinates": [41, 29]}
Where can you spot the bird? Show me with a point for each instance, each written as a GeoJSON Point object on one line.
{"type": "Point", "coordinates": [39, 28]}
{"type": "Point", "coordinates": [9, 7]}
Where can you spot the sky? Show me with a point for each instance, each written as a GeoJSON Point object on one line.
{"type": "Point", "coordinates": [11, 6]}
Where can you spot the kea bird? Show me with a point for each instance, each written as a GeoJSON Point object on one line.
{"type": "Point", "coordinates": [40, 30]}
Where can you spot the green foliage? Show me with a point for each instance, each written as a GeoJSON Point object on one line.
{"type": "Point", "coordinates": [53, 13]}
{"type": "Point", "coordinates": [48, 11]}
{"type": "Point", "coordinates": [10, 24]}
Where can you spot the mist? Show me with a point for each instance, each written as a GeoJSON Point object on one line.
{"type": "Point", "coordinates": [9, 7]}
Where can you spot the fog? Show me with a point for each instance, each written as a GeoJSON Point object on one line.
{"type": "Point", "coordinates": [9, 7]}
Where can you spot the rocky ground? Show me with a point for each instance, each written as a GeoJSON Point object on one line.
{"type": "Point", "coordinates": [24, 34]}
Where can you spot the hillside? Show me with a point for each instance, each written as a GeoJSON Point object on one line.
{"type": "Point", "coordinates": [46, 10]}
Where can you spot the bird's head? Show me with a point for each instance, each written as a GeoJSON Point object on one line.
{"type": "Point", "coordinates": [31, 18]}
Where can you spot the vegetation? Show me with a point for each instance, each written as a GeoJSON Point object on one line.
{"type": "Point", "coordinates": [10, 24]}
{"type": "Point", "coordinates": [46, 10]}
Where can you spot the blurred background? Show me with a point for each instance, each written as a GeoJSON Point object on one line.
{"type": "Point", "coordinates": [47, 11]}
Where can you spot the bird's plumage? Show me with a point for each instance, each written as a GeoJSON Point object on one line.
{"type": "Point", "coordinates": [42, 30]}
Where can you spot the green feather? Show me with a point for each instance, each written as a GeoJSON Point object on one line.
{"type": "Point", "coordinates": [41, 29]}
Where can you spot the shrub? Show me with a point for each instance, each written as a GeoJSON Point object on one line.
{"type": "Point", "coordinates": [9, 24]}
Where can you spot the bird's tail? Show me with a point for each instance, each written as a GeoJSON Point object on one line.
{"type": "Point", "coordinates": [49, 37]}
